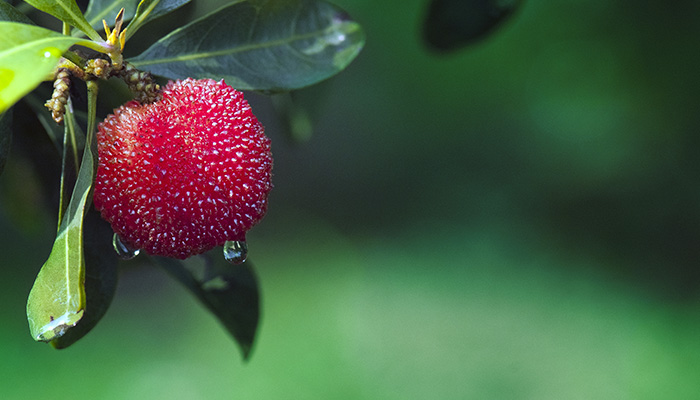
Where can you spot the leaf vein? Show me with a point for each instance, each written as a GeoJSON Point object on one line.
{"type": "Point", "coordinates": [229, 51]}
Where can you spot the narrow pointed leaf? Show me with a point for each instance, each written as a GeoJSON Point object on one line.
{"type": "Point", "coordinates": [68, 12]}
{"type": "Point", "coordinates": [149, 10]}
{"type": "Point", "coordinates": [9, 13]}
{"type": "Point", "coordinates": [229, 291]}
{"type": "Point", "coordinates": [5, 136]}
{"type": "Point", "coordinates": [100, 278]}
{"type": "Point", "coordinates": [107, 10]}
{"type": "Point", "coordinates": [25, 45]}
{"type": "Point", "coordinates": [69, 163]}
{"type": "Point", "coordinates": [270, 46]}
{"type": "Point", "coordinates": [57, 300]}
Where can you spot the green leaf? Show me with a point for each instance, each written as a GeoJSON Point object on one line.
{"type": "Point", "coordinates": [149, 10]}
{"type": "Point", "coordinates": [271, 46]}
{"type": "Point", "coordinates": [68, 12]}
{"type": "Point", "coordinates": [107, 10]}
{"type": "Point", "coordinates": [5, 137]}
{"type": "Point", "coordinates": [57, 300]}
{"type": "Point", "coordinates": [25, 45]}
{"type": "Point", "coordinates": [70, 153]}
{"type": "Point", "coordinates": [9, 13]}
{"type": "Point", "coordinates": [100, 258]}
{"type": "Point", "coordinates": [229, 291]}
{"type": "Point", "coordinates": [100, 277]}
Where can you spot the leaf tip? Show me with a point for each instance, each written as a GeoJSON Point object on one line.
{"type": "Point", "coordinates": [56, 327]}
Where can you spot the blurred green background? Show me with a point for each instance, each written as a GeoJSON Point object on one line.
{"type": "Point", "coordinates": [516, 220]}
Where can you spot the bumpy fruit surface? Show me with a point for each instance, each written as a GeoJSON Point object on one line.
{"type": "Point", "coordinates": [185, 174]}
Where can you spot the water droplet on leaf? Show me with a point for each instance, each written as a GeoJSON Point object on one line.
{"type": "Point", "coordinates": [339, 34]}
{"type": "Point", "coordinates": [235, 251]}
{"type": "Point", "coordinates": [124, 251]}
{"type": "Point", "coordinates": [50, 52]}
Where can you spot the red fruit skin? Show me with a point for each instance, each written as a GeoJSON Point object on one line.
{"type": "Point", "coordinates": [185, 174]}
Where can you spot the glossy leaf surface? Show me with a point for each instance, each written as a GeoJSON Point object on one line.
{"type": "Point", "coordinates": [100, 278]}
{"type": "Point", "coordinates": [57, 300]}
{"type": "Point", "coordinates": [68, 12]}
{"type": "Point", "coordinates": [149, 10]}
{"type": "Point", "coordinates": [23, 45]}
{"type": "Point", "coordinates": [229, 291]}
{"type": "Point", "coordinates": [270, 46]}
{"type": "Point", "coordinates": [107, 10]}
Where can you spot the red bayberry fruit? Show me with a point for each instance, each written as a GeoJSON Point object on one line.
{"type": "Point", "coordinates": [184, 174]}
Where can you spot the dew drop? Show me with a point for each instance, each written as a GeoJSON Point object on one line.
{"type": "Point", "coordinates": [235, 251]}
{"type": "Point", "coordinates": [50, 52]}
{"type": "Point", "coordinates": [124, 251]}
{"type": "Point", "coordinates": [338, 34]}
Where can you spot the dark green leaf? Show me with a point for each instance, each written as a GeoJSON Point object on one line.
{"type": "Point", "coordinates": [68, 12]}
{"type": "Point", "coordinates": [57, 300]}
{"type": "Point", "coordinates": [149, 10]}
{"type": "Point", "coordinates": [9, 13]}
{"type": "Point", "coordinates": [100, 278]}
{"type": "Point", "coordinates": [451, 24]}
{"type": "Point", "coordinates": [107, 10]}
{"type": "Point", "coordinates": [25, 45]}
{"type": "Point", "coordinates": [5, 136]}
{"type": "Point", "coordinates": [276, 46]}
{"type": "Point", "coordinates": [229, 291]}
